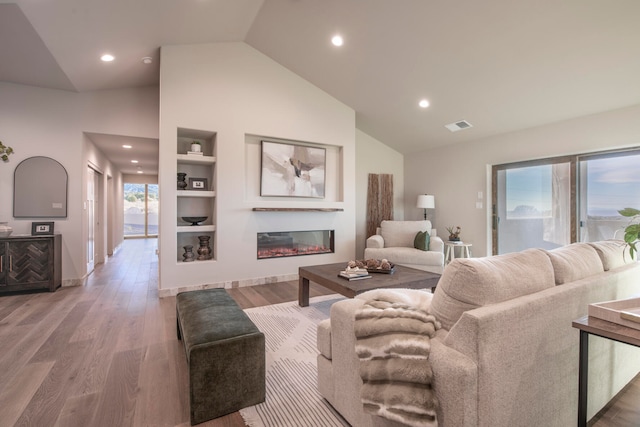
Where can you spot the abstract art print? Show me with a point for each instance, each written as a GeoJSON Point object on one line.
{"type": "Point", "coordinates": [292, 170]}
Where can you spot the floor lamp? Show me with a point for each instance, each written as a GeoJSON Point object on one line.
{"type": "Point", "coordinates": [426, 201]}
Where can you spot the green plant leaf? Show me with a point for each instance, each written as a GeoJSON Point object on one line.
{"type": "Point", "coordinates": [629, 212]}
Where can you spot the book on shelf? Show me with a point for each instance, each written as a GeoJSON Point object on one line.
{"type": "Point", "coordinates": [194, 153]}
{"type": "Point", "coordinates": [354, 276]}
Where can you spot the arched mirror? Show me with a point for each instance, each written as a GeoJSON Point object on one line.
{"type": "Point", "coordinates": [40, 189]}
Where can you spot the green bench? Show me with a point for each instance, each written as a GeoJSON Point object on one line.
{"type": "Point", "coordinates": [225, 354]}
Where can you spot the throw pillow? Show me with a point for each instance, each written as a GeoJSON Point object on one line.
{"type": "Point", "coordinates": [421, 241]}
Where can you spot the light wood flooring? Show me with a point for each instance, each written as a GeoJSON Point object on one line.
{"type": "Point", "coordinates": [106, 354]}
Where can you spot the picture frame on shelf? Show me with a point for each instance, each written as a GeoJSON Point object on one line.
{"type": "Point", "coordinates": [41, 228]}
{"type": "Point", "coordinates": [292, 170]}
{"type": "Point", "coordinates": [199, 184]}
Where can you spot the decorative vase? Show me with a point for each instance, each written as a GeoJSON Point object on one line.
{"type": "Point", "coordinates": [182, 184]}
{"type": "Point", "coordinates": [204, 251]}
{"type": "Point", "coordinates": [188, 254]}
{"type": "Point", "coordinates": [196, 148]}
{"type": "Point", "coordinates": [5, 230]}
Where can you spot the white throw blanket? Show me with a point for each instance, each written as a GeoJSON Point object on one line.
{"type": "Point", "coordinates": [393, 341]}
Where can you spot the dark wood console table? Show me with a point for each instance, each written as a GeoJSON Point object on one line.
{"type": "Point", "coordinates": [30, 263]}
{"type": "Point", "coordinates": [594, 326]}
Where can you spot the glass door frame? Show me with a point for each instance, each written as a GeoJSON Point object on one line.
{"type": "Point", "coordinates": [146, 215]}
{"type": "Point", "coordinates": [572, 160]}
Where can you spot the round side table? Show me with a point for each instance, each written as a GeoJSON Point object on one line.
{"type": "Point", "coordinates": [450, 254]}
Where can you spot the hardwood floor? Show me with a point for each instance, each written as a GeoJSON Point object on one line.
{"type": "Point", "coordinates": [106, 354]}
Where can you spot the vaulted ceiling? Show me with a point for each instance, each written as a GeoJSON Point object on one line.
{"type": "Point", "coordinates": [501, 65]}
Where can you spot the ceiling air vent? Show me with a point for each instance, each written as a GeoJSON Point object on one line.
{"type": "Point", "coordinates": [456, 126]}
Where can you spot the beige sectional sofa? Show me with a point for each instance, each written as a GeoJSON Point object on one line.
{"type": "Point", "coordinates": [506, 354]}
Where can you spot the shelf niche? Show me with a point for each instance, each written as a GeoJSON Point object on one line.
{"type": "Point", "coordinates": [196, 202]}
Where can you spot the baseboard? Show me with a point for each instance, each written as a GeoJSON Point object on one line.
{"type": "Point", "coordinates": [72, 282]}
{"type": "Point", "coordinates": [162, 293]}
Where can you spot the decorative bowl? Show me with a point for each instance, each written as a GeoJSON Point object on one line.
{"type": "Point", "coordinates": [194, 220]}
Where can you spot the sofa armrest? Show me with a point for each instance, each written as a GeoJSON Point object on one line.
{"type": "Point", "coordinates": [436, 244]}
{"type": "Point", "coordinates": [455, 374]}
{"type": "Point", "coordinates": [375, 241]}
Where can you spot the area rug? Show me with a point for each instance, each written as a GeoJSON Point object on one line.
{"type": "Point", "coordinates": [292, 397]}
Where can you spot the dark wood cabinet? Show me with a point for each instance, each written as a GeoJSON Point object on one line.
{"type": "Point", "coordinates": [30, 263]}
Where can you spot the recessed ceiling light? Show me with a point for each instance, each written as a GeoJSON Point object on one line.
{"type": "Point", "coordinates": [337, 40]}
{"type": "Point", "coordinates": [147, 60]}
{"type": "Point", "coordinates": [107, 58]}
{"type": "Point", "coordinates": [126, 146]}
{"type": "Point", "coordinates": [423, 103]}
{"type": "Point", "coordinates": [134, 161]}
{"type": "Point", "coordinates": [139, 171]}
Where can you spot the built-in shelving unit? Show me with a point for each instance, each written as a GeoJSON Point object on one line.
{"type": "Point", "coordinates": [196, 202]}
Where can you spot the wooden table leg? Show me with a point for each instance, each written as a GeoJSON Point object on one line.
{"type": "Point", "coordinates": [303, 291]}
{"type": "Point", "coordinates": [583, 373]}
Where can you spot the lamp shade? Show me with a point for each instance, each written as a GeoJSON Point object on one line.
{"type": "Point", "coordinates": [426, 201]}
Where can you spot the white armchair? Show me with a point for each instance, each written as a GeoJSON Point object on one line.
{"type": "Point", "coordinates": [394, 242]}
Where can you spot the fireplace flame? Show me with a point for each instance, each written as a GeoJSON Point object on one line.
{"type": "Point", "coordinates": [284, 251]}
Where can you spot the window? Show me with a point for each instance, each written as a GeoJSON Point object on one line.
{"type": "Point", "coordinates": [532, 205]}
{"type": "Point", "coordinates": [609, 183]}
{"type": "Point", "coordinates": [552, 202]}
{"type": "Point", "coordinates": [140, 210]}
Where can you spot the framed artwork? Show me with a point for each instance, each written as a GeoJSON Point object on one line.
{"type": "Point", "coordinates": [198, 184]}
{"type": "Point", "coordinates": [39, 228]}
{"type": "Point", "coordinates": [292, 170]}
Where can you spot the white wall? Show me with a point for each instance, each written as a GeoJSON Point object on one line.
{"type": "Point", "coordinates": [375, 157]}
{"type": "Point", "coordinates": [46, 122]}
{"type": "Point", "coordinates": [140, 179]}
{"type": "Point", "coordinates": [456, 174]}
{"type": "Point", "coordinates": [235, 91]}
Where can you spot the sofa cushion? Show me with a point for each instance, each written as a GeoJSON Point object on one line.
{"type": "Point", "coordinates": [421, 241]}
{"type": "Point", "coordinates": [613, 253]}
{"type": "Point", "coordinates": [574, 262]}
{"type": "Point", "coordinates": [402, 233]}
{"type": "Point", "coordinates": [468, 283]}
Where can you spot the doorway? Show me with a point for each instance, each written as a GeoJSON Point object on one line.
{"type": "Point", "coordinates": [141, 204]}
{"type": "Point", "coordinates": [94, 208]}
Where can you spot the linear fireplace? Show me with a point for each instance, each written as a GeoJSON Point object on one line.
{"type": "Point", "coordinates": [295, 243]}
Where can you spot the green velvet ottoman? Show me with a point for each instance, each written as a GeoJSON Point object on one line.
{"type": "Point", "coordinates": [225, 354]}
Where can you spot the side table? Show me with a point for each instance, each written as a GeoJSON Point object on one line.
{"type": "Point", "coordinates": [594, 326]}
{"type": "Point", "coordinates": [450, 254]}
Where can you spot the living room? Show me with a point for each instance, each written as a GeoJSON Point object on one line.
{"type": "Point", "coordinates": [239, 91]}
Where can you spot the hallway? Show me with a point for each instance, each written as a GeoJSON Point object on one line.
{"type": "Point", "coordinates": [103, 354]}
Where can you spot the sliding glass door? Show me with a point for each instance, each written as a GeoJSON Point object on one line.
{"type": "Point", "coordinates": [532, 206]}
{"type": "Point", "coordinates": [609, 182]}
{"type": "Point", "coordinates": [140, 210]}
{"type": "Point", "coordinates": [553, 202]}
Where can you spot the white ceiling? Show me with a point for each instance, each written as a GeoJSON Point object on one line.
{"type": "Point", "coordinates": [502, 65]}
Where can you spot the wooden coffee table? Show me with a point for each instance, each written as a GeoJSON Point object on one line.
{"type": "Point", "coordinates": [327, 275]}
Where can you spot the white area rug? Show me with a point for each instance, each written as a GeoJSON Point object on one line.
{"type": "Point", "coordinates": [292, 392]}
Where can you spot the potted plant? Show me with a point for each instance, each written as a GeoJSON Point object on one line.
{"type": "Point", "coordinates": [196, 147]}
{"type": "Point", "coordinates": [5, 152]}
{"type": "Point", "coordinates": [631, 231]}
{"type": "Point", "coordinates": [454, 233]}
